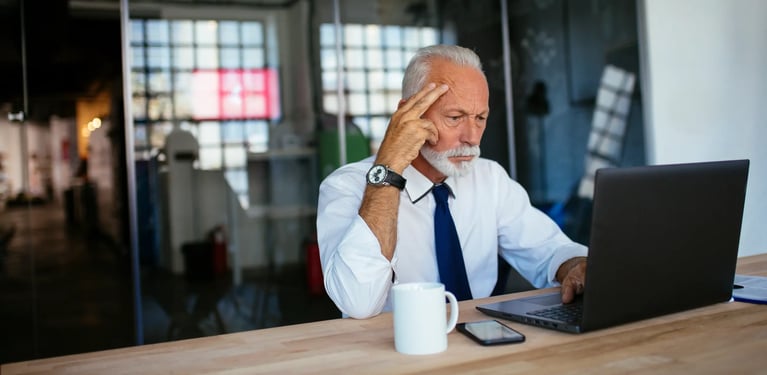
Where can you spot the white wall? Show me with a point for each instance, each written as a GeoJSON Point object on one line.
{"type": "Point", "coordinates": [10, 147]}
{"type": "Point", "coordinates": [704, 68]}
{"type": "Point", "coordinates": [38, 143]}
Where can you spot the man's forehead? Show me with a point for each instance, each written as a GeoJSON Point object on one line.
{"type": "Point", "coordinates": [469, 97]}
{"type": "Point", "coordinates": [459, 77]}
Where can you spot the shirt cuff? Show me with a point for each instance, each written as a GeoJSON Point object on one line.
{"type": "Point", "coordinates": [562, 255]}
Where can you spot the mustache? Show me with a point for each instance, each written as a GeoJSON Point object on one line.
{"type": "Point", "coordinates": [462, 151]}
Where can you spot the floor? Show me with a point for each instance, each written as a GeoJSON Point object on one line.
{"type": "Point", "coordinates": [63, 292]}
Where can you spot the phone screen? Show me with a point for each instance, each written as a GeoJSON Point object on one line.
{"type": "Point", "coordinates": [490, 332]}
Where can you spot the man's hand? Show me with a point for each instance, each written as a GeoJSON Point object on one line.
{"type": "Point", "coordinates": [407, 131]}
{"type": "Point", "coordinates": [572, 275]}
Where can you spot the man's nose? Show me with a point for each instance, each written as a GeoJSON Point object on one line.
{"type": "Point", "coordinates": [472, 132]}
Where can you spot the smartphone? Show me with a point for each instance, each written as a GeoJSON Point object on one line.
{"type": "Point", "coordinates": [490, 332]}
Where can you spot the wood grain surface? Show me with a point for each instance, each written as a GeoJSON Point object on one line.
{"type": "Point", "coordinates": [725, 338]}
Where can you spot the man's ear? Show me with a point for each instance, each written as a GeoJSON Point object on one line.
{"type": "Point", "coordinates": [401, 102]}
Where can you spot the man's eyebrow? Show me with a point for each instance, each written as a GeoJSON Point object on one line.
{"type": "Point", "coordinates": [455, 110]}
{"type": "Point", "coordinates": [463, 111]}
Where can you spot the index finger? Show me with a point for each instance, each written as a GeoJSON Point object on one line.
{"type": "Point", "coordinates": [568, 293]}
{"type": "Point", "coordinates": [419, 103]}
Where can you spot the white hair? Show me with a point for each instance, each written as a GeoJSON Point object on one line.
{"type": "Point", "coordinates": [420, 65]}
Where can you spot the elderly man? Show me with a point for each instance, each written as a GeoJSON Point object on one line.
{"type": "Point", "coordinates": [426, 207]}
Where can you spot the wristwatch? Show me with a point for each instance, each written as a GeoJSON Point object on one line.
{"type": "Point", "coordinates": [381, 175]}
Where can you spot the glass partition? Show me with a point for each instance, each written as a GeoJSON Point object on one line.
{"type": "Point", "coordinates": [214, 136]}
{"type": "Point", "coordinates": [199, 143]}
{"type": "Point", "coordinates": [241, 109]}
{"type": "Point", "coordinates": [64, 288]}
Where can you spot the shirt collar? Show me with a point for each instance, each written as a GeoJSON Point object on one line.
{"type": "Point", "coordinates": [418, 186]}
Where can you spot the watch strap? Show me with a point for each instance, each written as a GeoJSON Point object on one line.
{"type": "Point", "coordinates": [395, 179]}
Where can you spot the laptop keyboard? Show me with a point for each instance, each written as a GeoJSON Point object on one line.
{"type": "Point", "coordinates": [570, 313]}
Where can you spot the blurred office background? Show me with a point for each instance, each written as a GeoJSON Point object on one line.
{"type": "Point", "coordinates": [160, 160]}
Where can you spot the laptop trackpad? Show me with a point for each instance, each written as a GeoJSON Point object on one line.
{"type": "Point", "coordinates": [546, 300]}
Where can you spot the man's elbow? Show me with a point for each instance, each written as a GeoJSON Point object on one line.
{"type": "Point", "coordinates": [362, 314]}
{"type": "Point", "coordinates": [357, 310]}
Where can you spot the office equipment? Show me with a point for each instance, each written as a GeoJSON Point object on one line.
{"type": "Point", "coordinates": [490, 332]}
{"type": "Point", "coordinates": [723, 338]}
{"type": "Point", "coordinates": [664, 239]}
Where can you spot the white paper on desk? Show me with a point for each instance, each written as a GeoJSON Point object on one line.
{"type": "Point", "coordinates": [754, 289]}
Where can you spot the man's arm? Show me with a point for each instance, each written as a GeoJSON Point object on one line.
{"type": "Point", "coordinates": [535, 245]}
{"type": "Point", "coordinates": [379, 210]}
{"type": "Point", "coordinates": [406, 134]}
{"type": "Point", "coordinates": [357, 227]}
{"type": "Point", "coordinates": [357, 276]}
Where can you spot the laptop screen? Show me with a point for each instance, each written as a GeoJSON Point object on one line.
{"type": "Point", "coordinates": [664, 239]}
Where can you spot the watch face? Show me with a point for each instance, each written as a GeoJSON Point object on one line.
{"type": "Point", "coordinates": [377, 174]}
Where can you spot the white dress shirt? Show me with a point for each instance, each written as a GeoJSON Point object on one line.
{"type": "Point", "coordinates": [492, 214]}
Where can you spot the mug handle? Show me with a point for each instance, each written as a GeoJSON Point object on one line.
{"type": "Point", "coordinates": [453, 311]}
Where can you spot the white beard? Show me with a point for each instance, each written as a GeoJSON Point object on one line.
{"type": "Point", "coordinates": [441, 162]}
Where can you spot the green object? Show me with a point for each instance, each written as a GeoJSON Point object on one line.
{"type": "Point", "coordinates": [357, 148]}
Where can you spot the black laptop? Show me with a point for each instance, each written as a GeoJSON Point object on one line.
{"type": "Point", "coordinates": [664, 239]}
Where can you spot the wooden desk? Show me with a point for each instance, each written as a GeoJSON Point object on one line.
{"type": "Point", "coordinates": [726, 338]}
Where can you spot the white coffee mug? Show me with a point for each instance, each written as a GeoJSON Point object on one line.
{"type": "Point", "coordinates": [420, 324]}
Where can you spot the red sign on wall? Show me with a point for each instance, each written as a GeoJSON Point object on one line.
{"type": "Point", "coordinates": [235, 94]}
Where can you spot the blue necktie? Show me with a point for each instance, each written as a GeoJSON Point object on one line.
{"type": "Point", "coordinates": [452, 271]}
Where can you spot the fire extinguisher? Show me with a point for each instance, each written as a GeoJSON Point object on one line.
{"type": "Point", "coordinates": [314, 279]}
{"type": "Point", "coordinates": [218, 237]}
